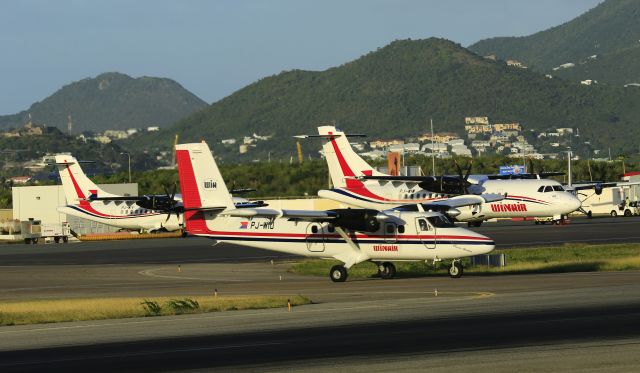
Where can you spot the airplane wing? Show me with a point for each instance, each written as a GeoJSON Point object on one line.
{"type": "Point", "coordinates": [541, 175]}
{"type": "Point", "coordinates": [450, 205]}
{"type": "Point", "coordinates": [310, 215]}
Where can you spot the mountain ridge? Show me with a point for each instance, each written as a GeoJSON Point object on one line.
{"type": "Point", "coordinates": [111, 101]}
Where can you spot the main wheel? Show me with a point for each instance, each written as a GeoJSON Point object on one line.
{"type": "Point", "coordinates": [65, 239]}
{"type": "Point", "coordinates": [477, 223]}
{"type": "Point", "coordinates": [456, 270]}
{"type": "Point", "coordinates": [387, 270]}
{"type": "Point", "coordinates": [56, 239]}
{"type": "Point", "coordinates": [589, 214]}
{"type": "Point", "coordinates": [338, 273]}
{"type": "Point", "coordinates": [34, 241]}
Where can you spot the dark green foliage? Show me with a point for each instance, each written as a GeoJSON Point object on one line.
{"type": "Point", "coordinates": [393, 92]}
{"type": "Point", "coordinates": [611, 30]}
{"type": "Point", "coordinates": [151, 308]}
{"type": "Point", "coordinates": [111, 101]}
{"type": "Point", "coordinates": [180, 306]}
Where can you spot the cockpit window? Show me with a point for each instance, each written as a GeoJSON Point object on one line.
{"type": "Point", "coordinates": [558, 188]}
{"type": "Point", "coordinates": [441, 221]}
{"type": "Point", "coordinates": [541, 189]}
{"type": "Point", "coordinates": [423, 225]}
{"type": "Point", "coordinates": [548, 188]}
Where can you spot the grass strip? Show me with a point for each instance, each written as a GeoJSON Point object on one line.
{"type": "Point", "coordinates": [575, 257]}
{"type": "Point", "coordinates": [60, 310]}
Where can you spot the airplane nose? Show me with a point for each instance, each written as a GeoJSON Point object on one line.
{"type": "Point", "coordinates": [574, 203]}
{"type": "Point", "coordinates": [485, 245]}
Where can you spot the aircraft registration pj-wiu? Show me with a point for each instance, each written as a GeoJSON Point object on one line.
{"type": "Point", "coordinates": [358, 184]}
{"type": "Point", "coordinates": [351, 236]}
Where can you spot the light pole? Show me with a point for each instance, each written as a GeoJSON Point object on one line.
{"type": "Point", "coordinates": [129, 157]}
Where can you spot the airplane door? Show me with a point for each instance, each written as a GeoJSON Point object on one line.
{"type": "Point", "coordinates": [426, 232]}
{"type": "Point", "coordinates": [314, 237]}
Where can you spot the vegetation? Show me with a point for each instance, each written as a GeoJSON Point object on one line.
{"type": "Point", "coordinates": [610, 30]}
{"type": "Point", "coordinates": [111, 101]}
{"type": "Point", "coordinates": [392, 93]}
{"type": "Point", "coordinates": [566, 258]}
{"type": "Point", "coordinates": [60, 310]}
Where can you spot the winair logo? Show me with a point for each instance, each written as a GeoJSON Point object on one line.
{"type": "Point", "coordinates": [210, 184]}
{"type": "Point", "coordinates": [385, 248]}
{"type": "Point", "coordinates": [508, 207]}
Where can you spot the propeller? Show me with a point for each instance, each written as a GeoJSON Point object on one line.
{"type": "Point", "coordinates": [463, 179]}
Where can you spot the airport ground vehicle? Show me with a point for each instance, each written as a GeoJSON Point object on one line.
{"type": "Point", "coordinates": [614, 201]}
{"type": "Point", "coordinates": [32, 231]}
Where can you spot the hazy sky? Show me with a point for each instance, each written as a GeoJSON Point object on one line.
{"type": "Point", "coordinates": [214, 48]}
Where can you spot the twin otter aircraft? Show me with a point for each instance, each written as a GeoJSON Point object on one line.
{"type": "Point", "coordinates": [358, 184]}
{"type": "Point", "coordinates": [351, 236]}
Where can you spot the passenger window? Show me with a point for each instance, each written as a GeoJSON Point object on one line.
{"type": "Point", "coordinates": [400, 228]}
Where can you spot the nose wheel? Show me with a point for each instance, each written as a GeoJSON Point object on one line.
{"type": "Point", "coordinates": [338, 273]}
{"type": "Point", "coordinates": [456, 270]}
{"type": "Point", "coordinates": [386, 270]}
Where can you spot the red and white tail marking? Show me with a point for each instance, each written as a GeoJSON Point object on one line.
{"type": "Point", "coordinates": [344, 164]}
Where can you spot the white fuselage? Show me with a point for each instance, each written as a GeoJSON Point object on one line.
{"type": "Point", "coordinates": [524, 198]}
{"type": "Point", "coordinates": [398, 238]}
{"type": "Point", "coordinates": [123, 215]}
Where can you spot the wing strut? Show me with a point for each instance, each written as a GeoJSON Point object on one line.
{"type": "Point", "coordinates": [352, 256]}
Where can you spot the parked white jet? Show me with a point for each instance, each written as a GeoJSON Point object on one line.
{"type": "Point", "coordinates": [86, 200]}
{"type": "Point", "coordinates": [351, 236]}
{"type": "Point", "coordinates": [358, 184]}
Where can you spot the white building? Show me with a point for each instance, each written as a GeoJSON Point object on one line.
{"type": "Point", "coordinates": [42, 202]}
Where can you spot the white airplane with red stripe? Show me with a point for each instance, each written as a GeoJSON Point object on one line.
{"type": "Point", "coordinates": [358, 184]}
{"type": "Point", "coordinates": [81, 194]}
{"type": "Point", "coordinates": [351, 236]}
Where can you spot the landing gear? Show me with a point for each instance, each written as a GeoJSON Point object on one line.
{"type": "Point", "coordinates": [338, 273]}
{"type": "Point", "coordinates": [386, 270]}
{"type": "Point", "coordinates": [474, 223]}
{"type": "Point", "coordinates": [456, 269]}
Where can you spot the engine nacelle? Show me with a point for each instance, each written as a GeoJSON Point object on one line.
{"type": "Point", "coordinates": [362, 220]}
{"type": "Point", "coordinates": [598, 189]}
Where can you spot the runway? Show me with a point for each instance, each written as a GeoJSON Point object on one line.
{"type": "Point", "coordinates": [552, 322]}
{"type": "Point", "coordinates": [573, 321]}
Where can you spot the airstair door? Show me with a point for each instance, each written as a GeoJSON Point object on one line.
{"type": "Point", "coordinates": [315, 237]}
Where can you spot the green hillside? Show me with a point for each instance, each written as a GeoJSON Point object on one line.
{"type": "Point", "coordinates": [609, 28]}
{"type": "Point", "coordinates": [111, 101]}
{"type": "Point", "coordinates": [392, 92]}
{"type": "Point", "coordinates": [619, 68]}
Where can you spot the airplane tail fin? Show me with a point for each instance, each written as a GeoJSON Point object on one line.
{"type": "Point", "coordinates": [344, 164]}
{"type": "Point", "coordinates": [77, 186]}
{"type": "Point", "coordinates": [201, 183]}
